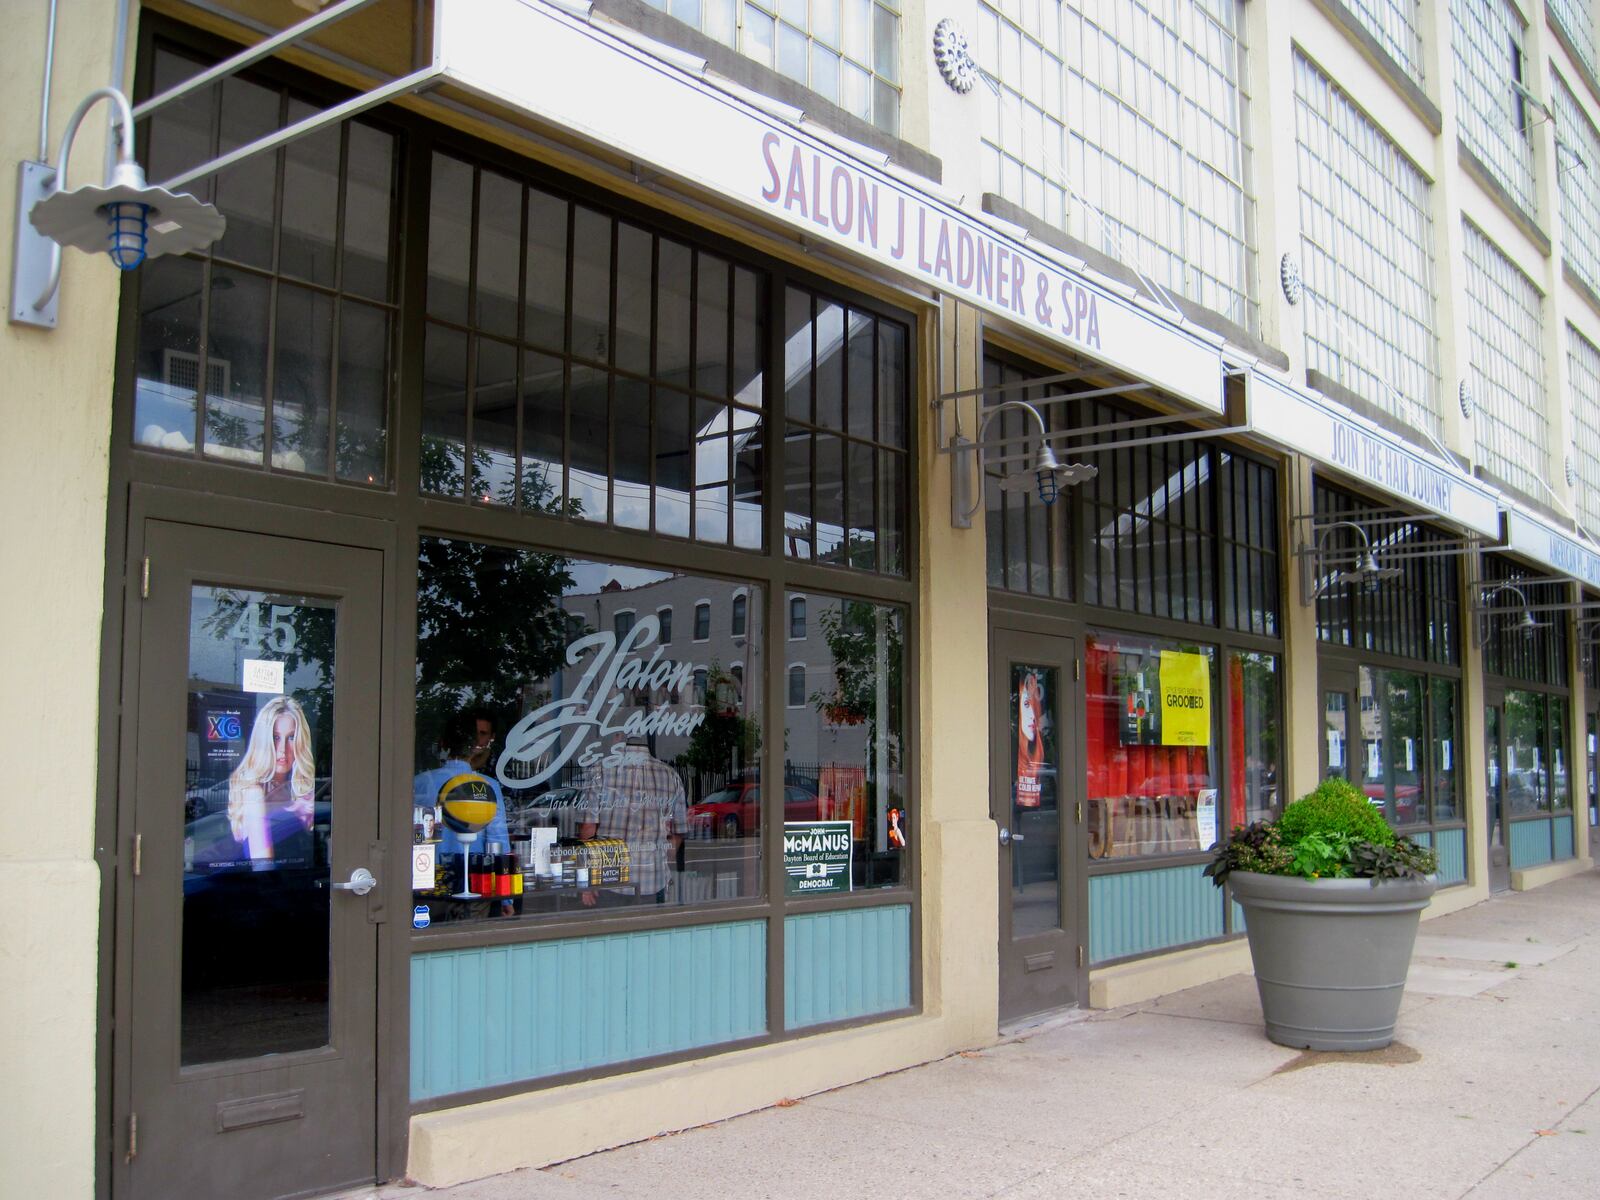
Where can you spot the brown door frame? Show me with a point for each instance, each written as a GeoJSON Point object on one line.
{"type": "Point", "coordinates": [116, 810]}
{"type": "Point", "coordinates": [1061, 645]}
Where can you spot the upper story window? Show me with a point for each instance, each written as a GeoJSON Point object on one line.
{"type": "Point", "coordinates": [664, 620]}
{"type": "Point", "coordinates": [272, 349]}
{"type": "Point", "coordinates": [702, 621]}
{"type": "Point", "coordinates": [1507, 365]}
{"type": "Point", "coordinates": [1396, 26]}
{"type": "Point", "coordinates": [847, 51]}
{"type": "Point", "coordinates": [622, 622]}
{"type": "Point", "coordinates": [741, 614]}
{"type": "Point", "coordinates": [1576, 20]}
{"type": "Point", "coordinates": [1126, 126]}
{"type": "Point", "coordinates": [1583, 377]}
{"type": "Point", "coordinates": [1492, 115]}
{"type": "Point", "coordinates": [797, 617]}
{"type": "Point", "coordinates": [1577, 164]}
{"type": "Point", "coordinates": [1366, 240]}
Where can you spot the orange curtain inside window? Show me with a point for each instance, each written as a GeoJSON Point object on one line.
{"type": "Point", "coordinates": [1116, 770]}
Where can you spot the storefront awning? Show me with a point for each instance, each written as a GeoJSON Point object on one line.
{"type": "Point", "coordinates": [1302, 421]}
{"type": "Point", "coordinates": [560, 69]}
{"type": "Point", "coordinates": [1536, 539]}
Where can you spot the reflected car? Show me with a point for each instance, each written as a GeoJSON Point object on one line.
{"type": "Point", "coordinates": [732, 811]}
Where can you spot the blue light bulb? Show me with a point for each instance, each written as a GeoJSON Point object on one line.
{"type": "Point", "coordinates": [129, 234]}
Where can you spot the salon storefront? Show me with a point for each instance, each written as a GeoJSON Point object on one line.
{"type": "Point", "coordinates": [523, 601]}
{"type": "Point", "coordinates": [1136, 669]}
{"type": "Point", "coordinates": [581, 610]}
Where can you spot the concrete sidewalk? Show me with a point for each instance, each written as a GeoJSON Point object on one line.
{"type": "Point", "coordinates": [1491, 1090]}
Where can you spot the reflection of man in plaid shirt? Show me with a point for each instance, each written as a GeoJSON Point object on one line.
{"type": "Point", "coordinates": [640, 800]}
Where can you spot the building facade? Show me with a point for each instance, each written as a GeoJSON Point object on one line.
{"type": "Point", "coordinates": [597, 487]}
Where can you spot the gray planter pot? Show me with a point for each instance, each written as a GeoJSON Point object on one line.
{"type": "Point", "coordinates": [1330, 955]}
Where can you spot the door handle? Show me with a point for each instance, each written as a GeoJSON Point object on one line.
{"type": "Point", "coordinates": [1007, 836]}
{"type": "Point", "coordinates": [361, 882]}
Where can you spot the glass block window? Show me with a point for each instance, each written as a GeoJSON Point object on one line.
{"type": "Point", "coordinates": [1415, 616]}
{"type": "Point", "coordinates": [1395, 24]}
{"type": "Point", "coordinates": [272, 349]}
{"type": "Point", "coordinates": [1487, 36]}
{"type": "Point", "coordinates": [1507, 371]}
{"type": "Point", "coordinates": [1583, 377]}
{"type": "Point", "coordinates": [1366, 241]}
{"type": "Point", "coordinates": [1577, 164]}
{"type": "Point", "coordinates": [847, 51]}
{"type": "Point", "coordinates": [1576, 19]}
{"type": "Point", "coordinates": [1136, 109]}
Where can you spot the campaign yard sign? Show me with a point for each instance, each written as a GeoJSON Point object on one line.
{"type": "Point", "coordinates": [816, 856]}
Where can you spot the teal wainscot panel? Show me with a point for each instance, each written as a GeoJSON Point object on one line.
{"type": "Point", "coordinates": [502, 1014]}
{"type": "Point", "coordinates": [842, 965]}
{"type": "Point", "coordinates": [1530, 843]}
{"type": "Point", "coordinates": [1451, 846]}
{"type": "Point", "coordinates": [1563, 832]}
{"type": "Point", "coordinates": [1135, 912]}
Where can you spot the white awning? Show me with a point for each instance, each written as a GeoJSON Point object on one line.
{"type": "Point", "coordinates": [1303, 421]}
{"type": "Point", "coordinates": [544, 61]}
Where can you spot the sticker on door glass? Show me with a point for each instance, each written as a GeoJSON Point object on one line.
{"type": "Point", "coordinates": [262, 675]}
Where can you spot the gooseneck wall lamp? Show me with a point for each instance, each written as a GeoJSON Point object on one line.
{"type": "Point", "coordinates": [123, 216]}
{"type": "Point", "coordinates": [1038, 472]}
{"type": "Point", "coordinates": [1363, 569]}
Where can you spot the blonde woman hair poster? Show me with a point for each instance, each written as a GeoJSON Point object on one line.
{"type": "Point", "coordinates": [270, 793]}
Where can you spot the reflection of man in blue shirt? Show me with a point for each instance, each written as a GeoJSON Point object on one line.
{"type": "Point", "coordinates": [466, 743]}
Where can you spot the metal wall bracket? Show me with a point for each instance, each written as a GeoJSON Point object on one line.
{"type": "Point", "coordinates": [33, 256]}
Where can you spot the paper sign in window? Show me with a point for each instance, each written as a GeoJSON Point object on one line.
{"type": "Point", "coordinates": [1185, 699]}
{"type": "Point", "coordinates": [262, 675]}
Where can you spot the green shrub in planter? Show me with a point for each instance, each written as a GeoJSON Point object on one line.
{"type": "Point", "coordinates": [1333, 832]}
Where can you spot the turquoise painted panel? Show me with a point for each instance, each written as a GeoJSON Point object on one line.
{"type": "Point", "coordinates": [1238, 917]}
{"type": "Point", "coordinates": [840, 965]}
{"type": "Point", "coordinates": [1424, 838]}
{"type": "Point", "coordinates": [1563, 832]}
{"type": "Point", "coordinates": [1451, 845]}
{"type": "Point", "coordinates": [1530, 843]}
{"type": "Point", "coordinates": [1135, 912]}
{"type": "Point", "coordinates": [502, 1014]}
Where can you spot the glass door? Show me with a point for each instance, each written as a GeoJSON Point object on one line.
{"type": "Point", "coordinates": [253, 911]}
{"type": "Point", "coordinates": [1035, 800]}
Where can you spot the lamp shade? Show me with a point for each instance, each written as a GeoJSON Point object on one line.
{"type": "Point", "coordinates": [177, 221]}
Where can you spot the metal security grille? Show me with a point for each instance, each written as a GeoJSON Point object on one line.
{"type": "Point", "coordinates": [1492, 118]}
{"type": "Point", "coordinates": [1577, 163]}
{"type": "Point", "coordinates": [1505, 328]}
{"type": "Point", "coordinates": [1583, 377]}
{"type": "Point", "coordinates": [1577, 22]}
{"type": "Point", "coordinates": [1366, 238]}
{"type": "Point", "coordinates": [1416, 616]}
{"type": "Point", "coordinates": [1136, 110]}
{"type": "Point", "coordinates": [1394, 23]}
{"type": "Point", "coordinates": [847, 51]}
{"type": "Point", "coordinates": [1539, 656]}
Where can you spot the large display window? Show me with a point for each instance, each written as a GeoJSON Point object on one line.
{"type": "Point", "coordinates": [1390, 666]}
{"type": "Point", "coordinates": [1181, 717]}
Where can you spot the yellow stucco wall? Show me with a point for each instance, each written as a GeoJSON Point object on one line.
{"type": "Point", "coordinates": [55, 408]}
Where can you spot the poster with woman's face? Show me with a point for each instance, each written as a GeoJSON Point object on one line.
{"type": "Point", "coordinates": [260, 805]}
{"type": "Point", "coordinates": [1030, 707]}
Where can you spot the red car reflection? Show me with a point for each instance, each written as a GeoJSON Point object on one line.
{"type": "Point", "coordinates": [733, 811]}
